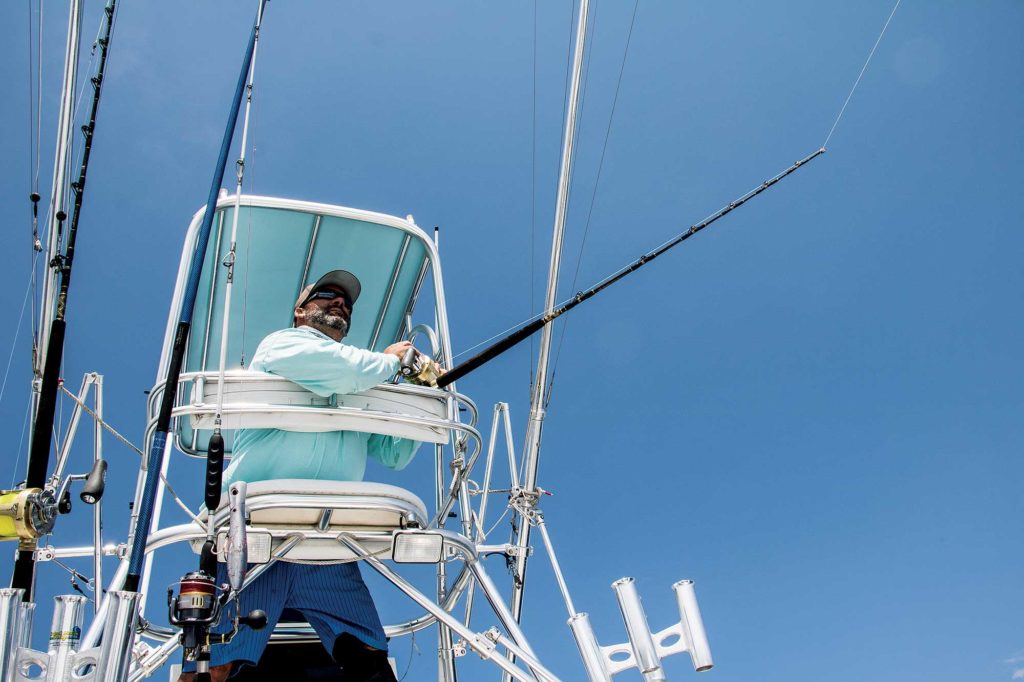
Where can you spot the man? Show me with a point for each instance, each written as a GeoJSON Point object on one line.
{"type": "Point", "coordinates": [332, 598]}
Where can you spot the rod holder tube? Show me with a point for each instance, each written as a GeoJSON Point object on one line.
{"type": "Point", "coordinates": [114, 655]}
{"type": "Point", "coordinates": [693, 626]}
{"type": "Point", "coordinates": [590, 650]}
{"type": "Point", "coordinates": [640, 639]}
{"type": "Point", "coordinates": [26, 617]}
{"type": "Point", "coordinates": [10, 630]}
{"type": "Point", "coordinates": [65, 633]}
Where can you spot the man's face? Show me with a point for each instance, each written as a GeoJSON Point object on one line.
{"type": "Point", "coordinates": [332, 312]}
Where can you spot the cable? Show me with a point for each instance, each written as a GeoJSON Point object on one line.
{"type": "Point", "coordinates": [860, 75]}
{"type": "Point", "coordinates": [21, 442]}
{"type": "Point", "coordinates": [17, 330]}
{"type": "Point", "coordinates": [110, 429]}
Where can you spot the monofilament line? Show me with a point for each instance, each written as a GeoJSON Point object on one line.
{"type": "Point", "coordinates": [861, 74]}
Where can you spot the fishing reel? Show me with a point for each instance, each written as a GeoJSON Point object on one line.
{"type": "Point", "coordinates": [197, 608]}
{"type": "Point", "coordinates": [27, 514]}
{"type": "Point", "coordinates": [420, 369]}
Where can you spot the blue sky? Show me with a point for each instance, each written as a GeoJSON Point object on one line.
{"type": "Point", "coordinates": [812, 409]}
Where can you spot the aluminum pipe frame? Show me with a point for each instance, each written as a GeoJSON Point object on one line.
{"type": "Point", "coordinates": [15, 628]}
{"type": "Point", "coordinates": [109, 662]}
{"type": "Point", "coordinates": [644, 649]}
{"type": "Point", "coordinates": [65, 632]}
{"type": "Point", "coordinates": [112, 659]}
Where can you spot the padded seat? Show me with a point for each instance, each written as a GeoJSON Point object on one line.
{"type": "Point", "coordinates": [320, 510]}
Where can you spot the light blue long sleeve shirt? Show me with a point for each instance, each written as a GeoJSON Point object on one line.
{"type": "Point", "coordinates": [324, 366]}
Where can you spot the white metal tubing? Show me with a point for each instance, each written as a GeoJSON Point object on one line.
{"type": "Point", "coordinates": [65, 634]}
{"type": "Point", "coordinates": [61, 162]}
{"type": "Point", "coordinates": [114, 656]}
{"type": "Point", "coordinates": [557, 568]}
{"type": "Point", "coordinates": [26, 617]}
{"type": "Point", "coordinates": [491, 442]}
{"type": "Point", "coordinates": [513, 472]}
{"type": "Point", "coordinates": [229, 284]}
{"type": "Point", "coordinates": [472, 639]}
{"type": "Point", "coordinates": [590, 650]}
{"type": "Point", "coordinates": [536, 422]}
{"type": "Point", "coordinates": [69, 437]}
{"type": "Point", "coordinates": [97, 507]}
{"type": "Point", "coordinates": [92, 635]}
{"type": "Point", "coordinates": [640, 639]}
{"type": "Point", "coordinates": [10, 600]}
{"type": "Point", "coordinates": [541, 672]}
{"type": "Point", "coordinates": [490, 591]}
{"type": "Point", "coordinates": [693, 626]}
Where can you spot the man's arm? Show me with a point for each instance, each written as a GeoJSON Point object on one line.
{"type": "Point", "coordinates": [322, 365]}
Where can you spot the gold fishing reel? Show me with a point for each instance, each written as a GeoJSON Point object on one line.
{"type": "Point", "coordinates": [420, 369]}
{"type": "Point", "coordinates": [26, 514]}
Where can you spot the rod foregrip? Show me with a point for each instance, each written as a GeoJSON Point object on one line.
{"type": "Point", "coordinates": [214, 471]}
{"type": "Point", "coordinates": [487, 354]}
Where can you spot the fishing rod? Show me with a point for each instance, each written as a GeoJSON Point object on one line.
{"type": "Point", "coordinates": [531, 328]}
{"type": "Point", "coordinates": [42, 431]}
{"type": "Point", "coordinates": [145, 513]}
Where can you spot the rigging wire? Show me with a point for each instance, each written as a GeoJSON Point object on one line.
{"type": "Point", "coordinates": [17, 330]}
{"type": "Point", "coordinates": [21, 441]}
{"type": "Point", "coordinates": [861, 74]}
{"type": "Point", "coordinates": [130, 445]}
{"type": "Point", "coordinates": [593, 195]}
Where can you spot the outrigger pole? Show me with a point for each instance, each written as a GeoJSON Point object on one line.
{"type": "Point", "coordinates": [42, 430]}
{"type": "Point", "coordinates": [531, 328]}
{"type": "Point", "coordinates": [214, 461]}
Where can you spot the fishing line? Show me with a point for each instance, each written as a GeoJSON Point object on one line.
{"type": "Point", "coordinates": [549, 316]}
{"type": "Point", "coordinates": [861, 74]}
{"type": "Point", "coordinates": [593, 196]}
{"type": "Point", "coordinates": [501, 333]}
{"type": "Point", "coordinates": [21, 442]}
{"type": "Point", "coordinates": [17, 331]}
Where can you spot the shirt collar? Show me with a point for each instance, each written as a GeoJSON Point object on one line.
{"type": "Point", "coordinates": [317, 332]}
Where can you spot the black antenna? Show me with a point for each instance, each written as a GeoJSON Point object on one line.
{"type": "Point", "coordinates": [531, 328]}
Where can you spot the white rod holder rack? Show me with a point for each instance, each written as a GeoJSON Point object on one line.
{"type": "Point", "coordinates": [643, 649]}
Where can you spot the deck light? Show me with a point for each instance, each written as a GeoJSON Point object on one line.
{"type": "Point", "coordinates": [417, 547]}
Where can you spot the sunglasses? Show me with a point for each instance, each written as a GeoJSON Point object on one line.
{"type": "Point", "coordinates": [328, 295]}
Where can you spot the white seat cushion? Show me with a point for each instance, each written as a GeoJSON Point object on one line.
{"type": "Point", "coordinates": [353, 504]}
{"type": "Point", "coordinates": [370, 511]}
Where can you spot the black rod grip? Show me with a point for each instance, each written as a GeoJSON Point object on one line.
{"type": "Point", "coordinates": [519, 335]}
{"type": "Point", "coordinates": [214, 471]}
{"type": "Point", "coordinates": [42, 431]}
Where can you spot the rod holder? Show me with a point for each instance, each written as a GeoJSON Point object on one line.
{"type": "Point", "coordinates": [644, 650]}
{"type": "Point", "coordinates": [112, 659]}
{"type": "Point", "coordinates": [640, 639]}
{"type": "Point", "coordinates": [65, 633]}
{"type": "Point", "coordinates": [590, 650]}
{"type": "Point", "coordinates": [693, 626]}
{"type": "Point", "coordinates": [10, 629]}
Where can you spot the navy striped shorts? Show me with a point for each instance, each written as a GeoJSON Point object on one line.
{"type": "Point", "coordinates": [332, 598]}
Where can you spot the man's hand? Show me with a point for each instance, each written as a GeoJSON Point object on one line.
{"type": "Point", "coordinates": [399, 349]}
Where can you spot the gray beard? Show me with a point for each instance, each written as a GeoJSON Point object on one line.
{"type": "Point", "coordinates": [319, 317]}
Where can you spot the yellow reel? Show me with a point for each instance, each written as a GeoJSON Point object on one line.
{"type": "Point", "coordinates": [25, 514]}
